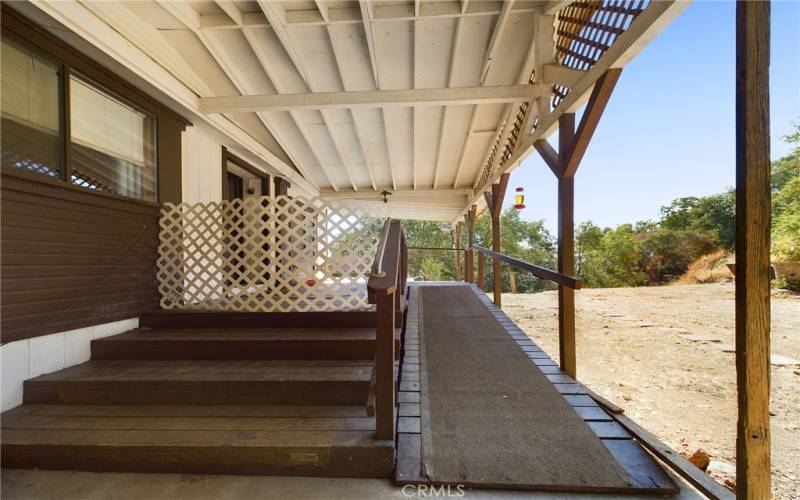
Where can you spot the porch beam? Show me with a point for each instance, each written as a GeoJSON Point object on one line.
{"type": "Point", "coordinates": [551, 7]}
{"type": "Point", "coordinates": [753, 208]}
{"type": "Point", "coordinates": [566, 247]}
{"type": "Point", "coordinates": [400, 194]}
{"type": "Point", "coordinates": [370, 99]}
{"type": "Point", "coordinates": [591, 117]}
{"type": "Point", "coordinates": [549, 155]}
{"type": "Point", "coordinates": [562, 75]}
{"type": "Point", "coordinates": [498, 193]}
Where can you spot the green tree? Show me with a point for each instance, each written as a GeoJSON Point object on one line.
{"type": "Point", "coordinates": [665, 254]}
{"type": "Point", "coordinates": [714, 215]}
{"type": "Point", "coordinates": [523, 239]}
{"type": "Point", "coordinates": [429, 264]}
{"type": "Point", "coordinates": [786, 202]}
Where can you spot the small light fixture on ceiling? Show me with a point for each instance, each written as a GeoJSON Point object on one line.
{"type": "Point", "coordinates": [385, 196]}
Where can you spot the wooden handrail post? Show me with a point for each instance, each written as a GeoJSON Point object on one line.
{"type": "Point", "coordinates": [457, 237]}
{"type": "Point", "coordinates": [470, 256]}
{"type": "Point", "coordinates": [566, 248]}
{"type": "Point", "coordinates": [753, 208]}
{"type": "Point", "coordinates": [384, 366]}
{"type": "Point", "coordinates": [481, 271]}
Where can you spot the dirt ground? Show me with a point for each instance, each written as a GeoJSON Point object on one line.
{"type": "Point", "coordinates": [638, 348]}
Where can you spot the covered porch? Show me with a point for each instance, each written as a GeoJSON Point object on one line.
{"type": "Point", "coordinates": [275, 331]}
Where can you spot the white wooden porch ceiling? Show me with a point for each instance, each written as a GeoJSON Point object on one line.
{"type": "Point", "coordinates": [360, 96]}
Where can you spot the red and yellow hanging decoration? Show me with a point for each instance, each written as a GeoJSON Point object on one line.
{"type": "Point", "coordinates": [519, 199]}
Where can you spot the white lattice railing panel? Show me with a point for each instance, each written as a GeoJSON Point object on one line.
{"type": "Point", "coordinates": [266, 254]}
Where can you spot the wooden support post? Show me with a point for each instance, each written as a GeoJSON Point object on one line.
{"type": "Point", "coordinates": [564, 164]}
{"type": "Point", "coordinates": [457, 237]}
{"type": "Point", "coordinates": [498, 193]}
{"type": "Point", "coordinates": [752, 249]}
{"type": "Point", "coordinates": [470, 257]}
{"type": "Point", "coordinates": [512, 281]}
{"type": "Point", "coordinates": [566, 247]}
{"type": "Point", "coordinates": [384, 376]}
{"type": "Point", "coordinates": [481, 271]}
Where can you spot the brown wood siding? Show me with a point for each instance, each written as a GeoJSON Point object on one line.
{"type": "Point", "coordinates": [71, 258]}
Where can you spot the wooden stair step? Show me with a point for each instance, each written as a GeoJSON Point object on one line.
{"type": "Point", "coordinates": [320, 441]}
{"type": "Point", "coordinates": [239, 344]}
{"type": "Point", "coordinates": [176, 382]}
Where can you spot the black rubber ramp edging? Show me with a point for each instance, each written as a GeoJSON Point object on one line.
{"type": "Point", "coordinates": [490, 418]}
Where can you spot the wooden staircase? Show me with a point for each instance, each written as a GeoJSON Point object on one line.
{"type": "Point", "coordinates": [281, 400]}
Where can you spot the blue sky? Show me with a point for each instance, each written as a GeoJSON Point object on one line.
{"type": "Point", "coordinates": [668, 130]}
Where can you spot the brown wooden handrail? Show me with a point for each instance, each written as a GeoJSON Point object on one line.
{"type": "Point", "coordinates": [384, 289]}
{"type": "Point", "coordinates": [439, 248]}
{"type": "Point", "coordinates": [538, 271]}
{"type": "Point", "coordinates": [387, 261]}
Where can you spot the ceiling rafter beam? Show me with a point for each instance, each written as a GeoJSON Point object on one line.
{"type": "Point", "coordinates": [332, 131]}
{"type": "Point", "coordinates": [180, 11]}
{"type": "Point", "coordinates": [366, 17]}
{"type": "Point", "coordinates": [264, 59]}
{"type": "Point", "coordinates": [324, 10]}
{"type": "Point", "coordinates": [276, 15]}
{"type": "Point", "coordinates": [494, 41]}
{"type": "Point", "coordinates": [371, 99]}
{"type": "Point", "coordinates": [277, 18]}
{"type": "Point", "coordinates": [344, 79]}
{"type": "Point", "coordinates": [382, 14]}
{"type": "Point", "coordinates": [231, 10]}
{"type": "Point", "coordinates": [470, 132]}
{"type": "Point", "coordinates": [450, 77]}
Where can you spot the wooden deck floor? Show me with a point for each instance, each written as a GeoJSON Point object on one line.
{"type": "Point", "coordinates": [644, 475]}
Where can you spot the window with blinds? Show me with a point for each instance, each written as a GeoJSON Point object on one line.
{"type": "Point", "coordinates": [31, 116]}
{"type": "Point", "coordinates": [112, 144]}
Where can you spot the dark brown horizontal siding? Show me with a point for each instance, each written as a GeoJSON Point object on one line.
{"type": "Point", "coordinates": [72, 258]}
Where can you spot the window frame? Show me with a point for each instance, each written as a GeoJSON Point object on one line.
{"type": "Point", "coordinates": [114, 95]}
{"type": "Point", "coordinates": [169, 123]}
{"type": "Point", "coordinates": [62, 71]}
{"type": "Point", "coordinates": [65, 74]}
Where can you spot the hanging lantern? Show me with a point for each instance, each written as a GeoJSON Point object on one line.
{"type": "Point", "coordinates": [519, 199]}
